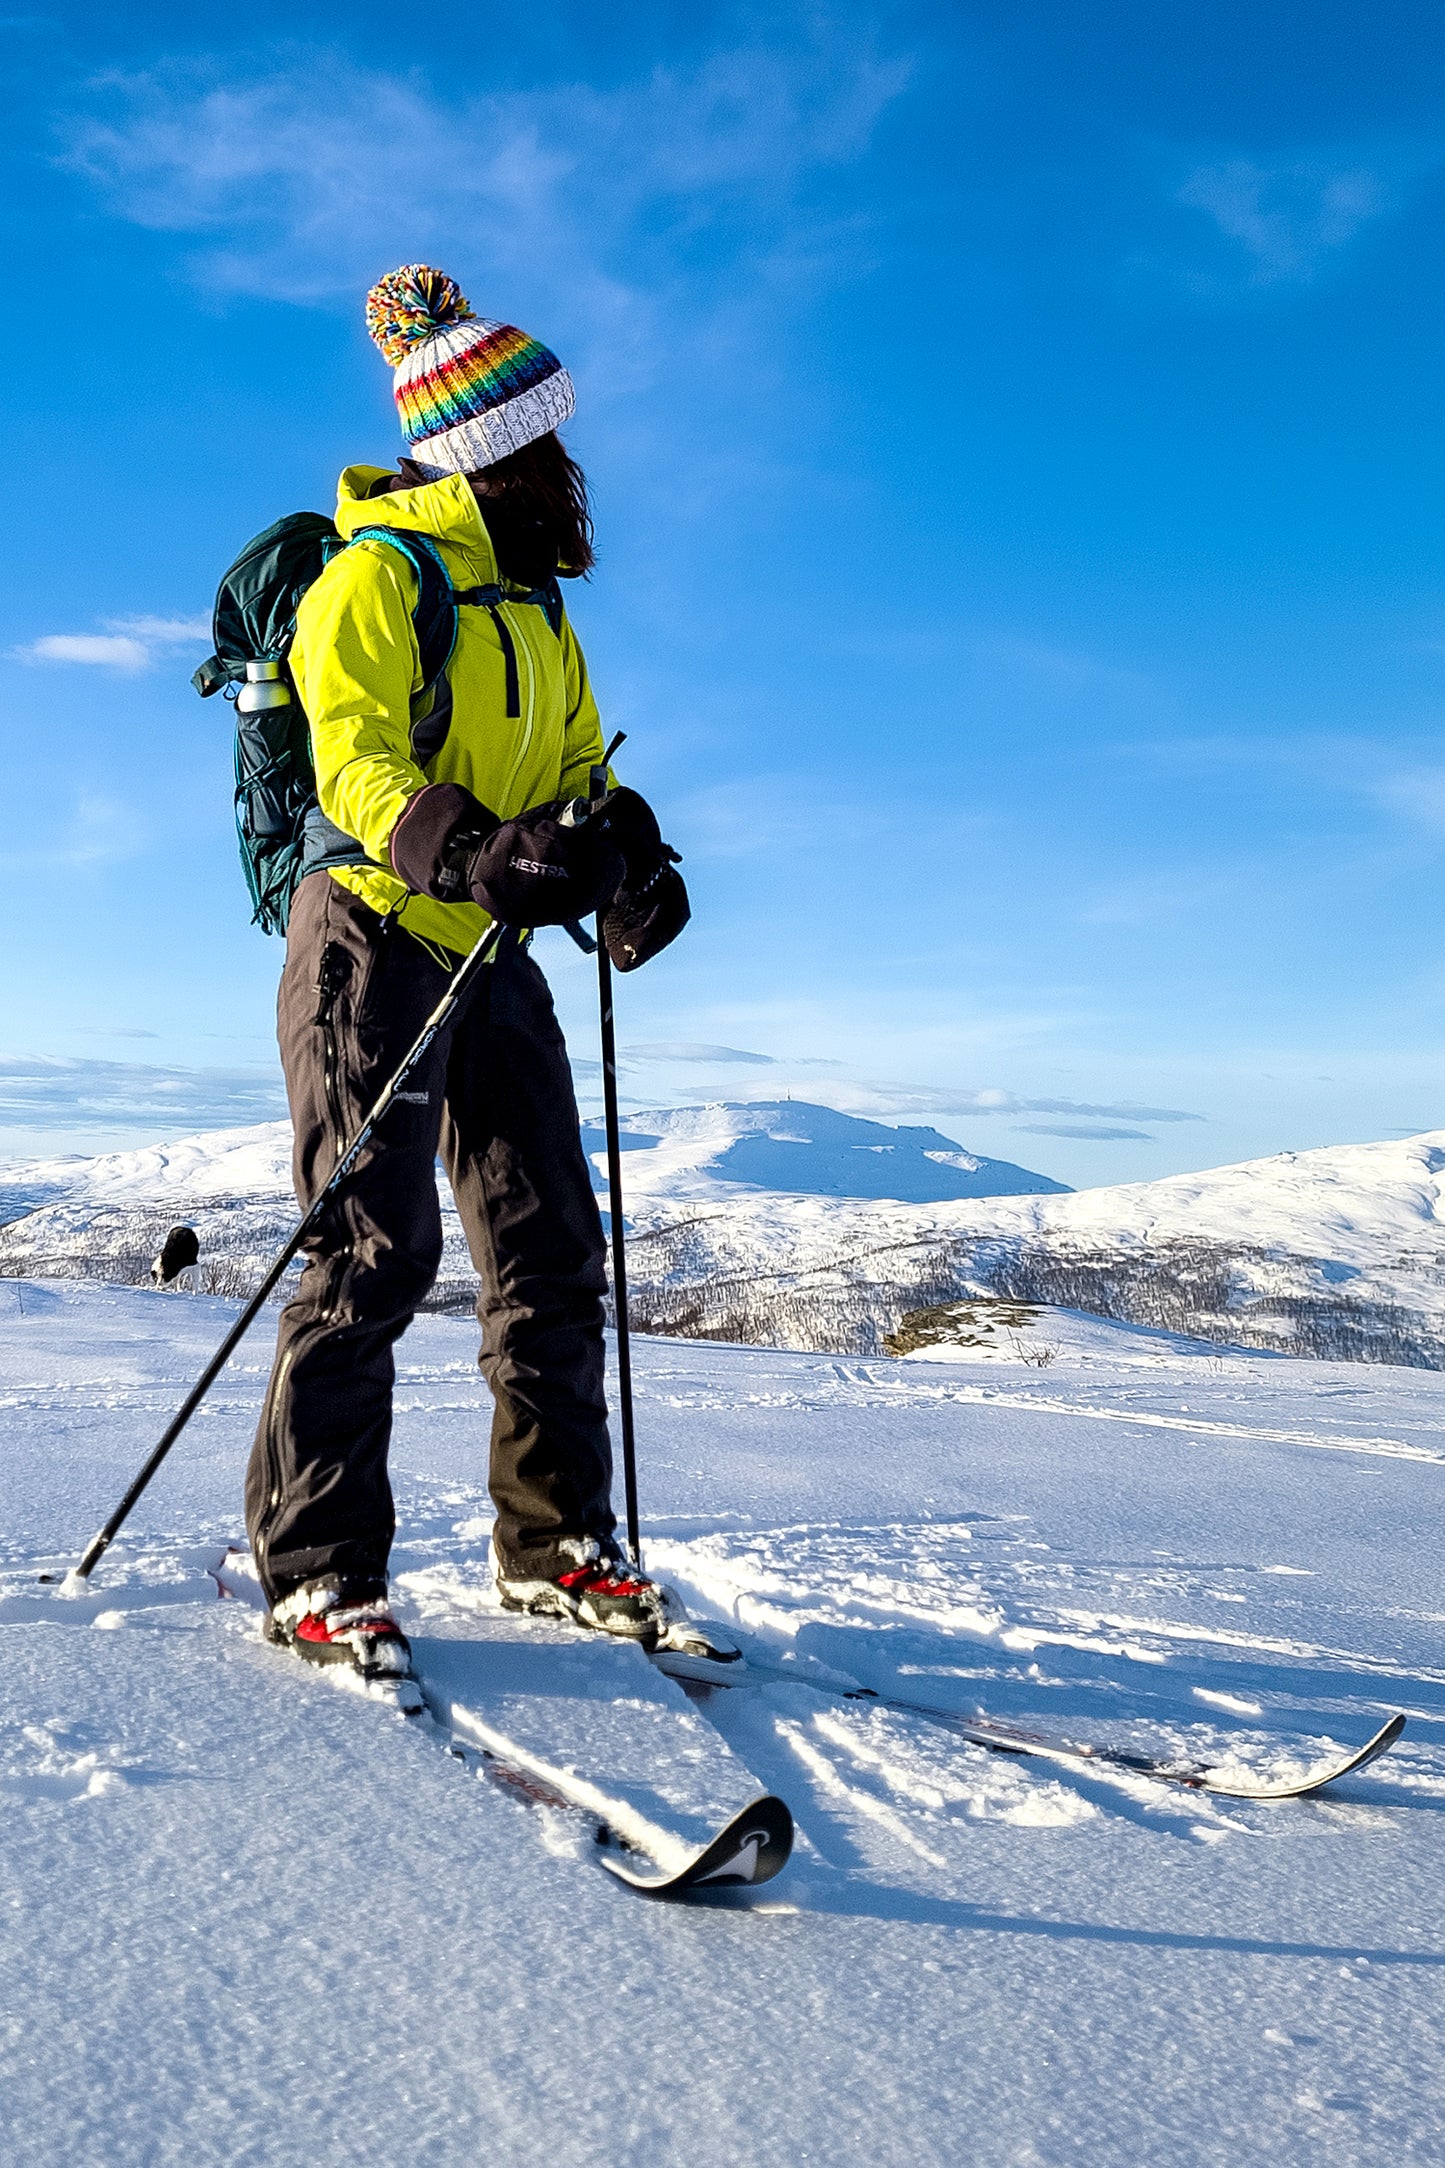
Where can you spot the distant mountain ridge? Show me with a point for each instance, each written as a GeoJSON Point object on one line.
{"type": "Point", "coordinates": [684, 1152]}
{"type": "Point", "coordinates": [1337, 1252]}
{"type": "Point", "coordinates": [791, 1146]}
{"type": "Point", "coordinates": [105, 1217]}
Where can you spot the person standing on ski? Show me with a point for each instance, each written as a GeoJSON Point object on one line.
{"type": "Point", "coordinates": [442, 811]}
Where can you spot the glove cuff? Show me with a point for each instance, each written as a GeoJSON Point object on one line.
{"type": "Point", "coordinates": [640, 922]}
{"type": "Point", "coordinates": [436, 834]}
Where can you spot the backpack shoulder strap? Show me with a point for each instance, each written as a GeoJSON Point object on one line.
{"type": "Point", "coordinates": [434, 613]}
{"type": "Point", "coordinates": [548, 598]}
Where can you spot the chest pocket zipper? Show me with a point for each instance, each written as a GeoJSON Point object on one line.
{"type": "Point", "coordinates": [490, 599]}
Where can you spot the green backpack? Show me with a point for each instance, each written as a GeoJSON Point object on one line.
{"type": "Point", "coordinates": [283, 833]}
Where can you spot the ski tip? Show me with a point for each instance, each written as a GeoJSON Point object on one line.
{"type": "Point", "coordinates": [1349, 1766]}
{"type": "Point", "coordinates": [756, 1845]}
{"type": "Point", "coordinates": [1371, 1751]}
{"type": "Point", "coordinates": [1383, 1740]}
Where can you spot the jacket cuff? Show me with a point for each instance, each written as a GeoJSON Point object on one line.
{"type": "Point", "coordinates": [440, 825]}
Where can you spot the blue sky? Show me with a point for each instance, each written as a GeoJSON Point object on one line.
{"type": "Point", "coordinates": [1017, 441]}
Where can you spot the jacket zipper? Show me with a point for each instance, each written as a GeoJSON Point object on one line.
{"type": "Point", "coordinates": [526, 745]}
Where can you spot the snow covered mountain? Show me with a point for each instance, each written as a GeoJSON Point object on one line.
{"type": "Point", "coordinates": [791, 1226]}
{"type": "Point", "coordinates": [689, 1153]}
{"type": "Point", "coordinates": [1338, 1252]}
{"type": "Point", "coordinates": [106, 1217]}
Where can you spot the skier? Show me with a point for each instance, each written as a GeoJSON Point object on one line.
{"type": "Point", "coordinates": [440, 813]}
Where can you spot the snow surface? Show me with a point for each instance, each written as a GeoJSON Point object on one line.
{"type": "Point", "coordinates": [246, 1917]}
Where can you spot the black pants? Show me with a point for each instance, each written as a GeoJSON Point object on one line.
{"type": "Point", "coordinates": [494, 1094]}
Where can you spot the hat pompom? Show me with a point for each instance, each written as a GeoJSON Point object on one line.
{"type": "Point", "coordinates": [411, 305]}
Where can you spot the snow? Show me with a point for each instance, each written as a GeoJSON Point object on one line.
{"type": "Point", "coordinates": [677, 1154]}
{"type": "Point", "coordinates": [247, 1917]}
{"type": "Point", "coordinates": [687, 1154]}
{"type": "Point", "coordinates": [755, 1223]}
{"type": "Point", "coordinates": [254, 1161]}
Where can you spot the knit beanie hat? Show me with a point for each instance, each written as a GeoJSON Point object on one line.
{"type": "Point", "coordinates": [468, 390]}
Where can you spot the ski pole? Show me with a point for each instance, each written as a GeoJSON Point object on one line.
{"type": "Point", "coordinates": [619, 1248]}
{"type": "Point", "coordinates": [457, 986]}
{"type": "Point", "coordinates": [600, 783]}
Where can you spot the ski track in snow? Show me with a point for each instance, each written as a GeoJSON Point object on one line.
{"type": "Point", "coordinates": [247, 1917]}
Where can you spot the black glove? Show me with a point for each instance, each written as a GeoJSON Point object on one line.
{"type": "Point", "coordinates": [540, 869]}
{"type": "Point", "coordinates": [650, 907]}
{"type": "Point", "coordinates": [543, 869]}
{"type": "Point", "coordinates": [440, 829]}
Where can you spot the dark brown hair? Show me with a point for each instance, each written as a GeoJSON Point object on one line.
{"type": "Point", "coordinates": [542, 483]}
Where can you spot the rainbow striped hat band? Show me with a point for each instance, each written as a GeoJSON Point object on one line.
{"type": "Point", "coordinates": [468, 391]}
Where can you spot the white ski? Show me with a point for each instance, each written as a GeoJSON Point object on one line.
{"type": "Point", "coordinates": [1002, 1737]}
{"type": "Point", "coordinates": [580, 1724]}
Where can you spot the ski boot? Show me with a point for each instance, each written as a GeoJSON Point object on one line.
{"type": "Point", "coordinates": [331, 1621]}
{"type": "Point", "coordinates": [603, 1592]}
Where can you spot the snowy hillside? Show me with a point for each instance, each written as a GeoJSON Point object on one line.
{"type": "Point", "coordinates": [106, 1217]}
{"type": "Point", "coordinates": [1338, 1252]}
{"type": "Point", "coordinates": [248, 1916]}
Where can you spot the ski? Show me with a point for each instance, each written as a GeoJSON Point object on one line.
{"type": "Point", "coordinates": [1001, 1737]}
{"type": "Point", "coordinates": [752, 1846]}
{"type": "Point", "coordinates": [750, 1849]}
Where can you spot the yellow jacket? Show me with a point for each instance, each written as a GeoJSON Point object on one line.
{"type": "Point", "coordinates": [356, 667]}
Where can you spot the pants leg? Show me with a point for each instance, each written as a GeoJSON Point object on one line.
{"type": "Point", "coordinates": [523, 1187]}
{"type": "Point", "coordinates": [354, 994]}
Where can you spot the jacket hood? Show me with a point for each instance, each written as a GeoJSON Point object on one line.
{"type": "Point", "coordinates": [445, 510]}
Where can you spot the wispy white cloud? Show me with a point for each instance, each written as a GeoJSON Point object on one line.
{"type": "Point", "coordinates": [1084, 1135]}
{"type": "Point", "coordinates": [1415, 795]}
{"type": "Point", "coordinates": [97, 650]}
{"type": "Point", "coordinates": [163, 631]}
{"type": "Point", "coordinates": [687, 1050]}
{"type": "Point", "coordinates": [96, 831]}
{"type": "Point", "coordinates": [128, 644]}
{"type": "Point", "coordinates": [940, 1099]}
{"type": "Point", "coordinates": [1288, 217]}
{"type": "Point", "coordinates": [895, 1101]}
{"type": "Point", "coordinates": [304, 182]}
{"type": "Point", "coordinates": [41, 1093]}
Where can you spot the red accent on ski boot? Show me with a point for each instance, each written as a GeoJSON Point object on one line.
{"type": "Point", "coordinates": [608, 1594]}
{"type": "Point", "coordinates": [332, 1626]}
